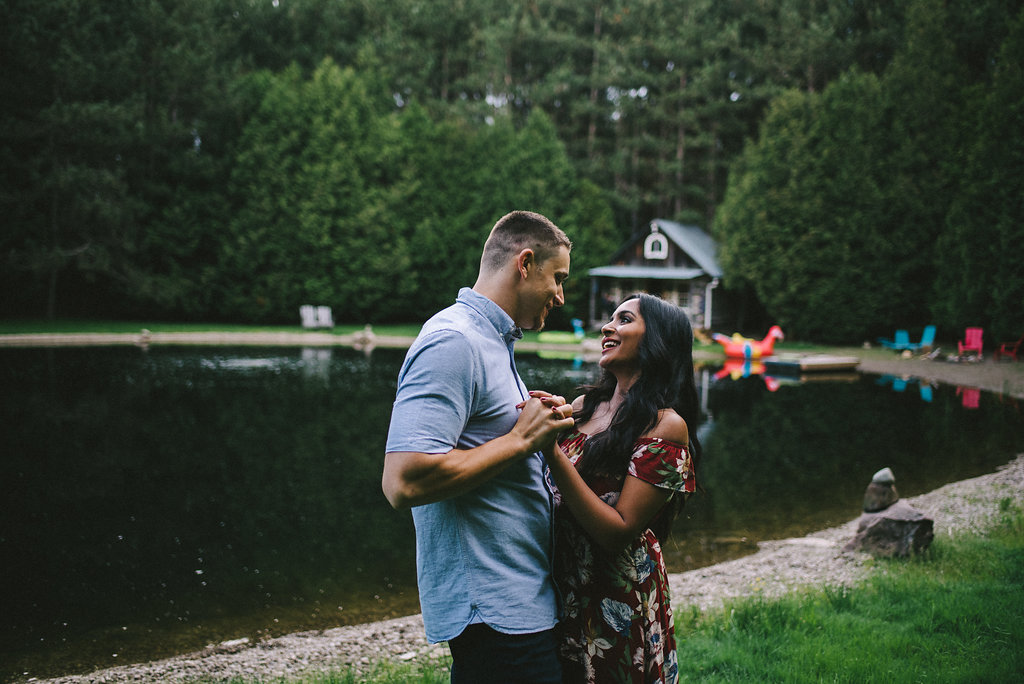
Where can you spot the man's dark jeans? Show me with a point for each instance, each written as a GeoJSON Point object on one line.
{"type": "Point", "coordinates": [483, 656]}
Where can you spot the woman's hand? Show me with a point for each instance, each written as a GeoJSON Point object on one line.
{"type": "Point", "coordinates": [558, 407]}
{"type": "Point", "coordinates": [553, 401]}
{"type": "Point", "coordinates": [611, 527]}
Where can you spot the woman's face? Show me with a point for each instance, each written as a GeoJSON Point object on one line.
{"type": "Point", "coordinates": [621, 336]}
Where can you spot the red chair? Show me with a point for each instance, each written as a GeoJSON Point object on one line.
{"type": "Point", "coordinates": [1010, 349]}
{"type": "Point", "coordinates": [971, 342]}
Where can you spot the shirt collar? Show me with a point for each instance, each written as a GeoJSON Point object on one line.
{"type": "Point", "coordinates": [502, 322]}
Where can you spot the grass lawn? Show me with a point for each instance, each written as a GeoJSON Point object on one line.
{"type": "Point", "coordinates": [955, 614]}
{"type": "Point", "coordinates": [10, 327]}
{"type": "Point", "coordinates": [39, 326]}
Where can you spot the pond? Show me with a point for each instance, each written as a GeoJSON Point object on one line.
{"type": "Point", "coordinates": [156, 501]}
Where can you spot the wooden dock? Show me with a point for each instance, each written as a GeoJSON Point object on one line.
{"type": "Point", "coordinates": [811, 363]}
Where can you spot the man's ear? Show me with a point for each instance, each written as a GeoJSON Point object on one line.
{"type": "Point", "coordinates": [525, 261]}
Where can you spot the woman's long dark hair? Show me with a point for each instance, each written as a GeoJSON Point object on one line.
{"type": "Point", "coordinates": [665, 357]}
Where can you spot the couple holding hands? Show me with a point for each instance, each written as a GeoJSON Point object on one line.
{"type": "Point", "coordinates": [538, 521]}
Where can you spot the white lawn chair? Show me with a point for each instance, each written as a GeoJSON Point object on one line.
{"type": "Point", "coordinates": [324, 319]}
{"type": "Point", "coordinates": [308, 314]}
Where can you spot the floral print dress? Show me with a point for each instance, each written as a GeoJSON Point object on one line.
{"type": "Point", "coordinates": [618, 618]}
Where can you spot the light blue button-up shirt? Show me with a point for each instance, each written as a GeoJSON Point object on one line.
{"type": "Point", "coordinates": [483, 556]}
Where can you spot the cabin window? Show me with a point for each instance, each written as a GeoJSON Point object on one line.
{"type": "Point", "coordinates": [656, 246]}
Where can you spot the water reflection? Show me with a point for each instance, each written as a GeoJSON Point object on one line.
{"type": "Point", "coordinates": [901, 384]}
{"type": "Point", "coordinates": [157, 501]}
{"type": "Point", "coordinates": [794, 455]}
{"type": "Point", "coordinates": [173, 498]}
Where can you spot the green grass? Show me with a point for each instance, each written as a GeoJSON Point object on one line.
{"type": "Point", "coordinates": [953, 614]}
{"type": "Point", "coordinates": [429, 672]}
{"type": "Point", "coordinates": [8, 327]}
{"type": "Point", "coordinates": [35, 326]}
{"type": "Point", "coordinates": [39, 326]}
{"type": "Point", "coordinates": [72, 325]}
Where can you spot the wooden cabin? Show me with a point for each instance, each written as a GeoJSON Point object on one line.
{"type": "Point", "coordinates": [674, 261]}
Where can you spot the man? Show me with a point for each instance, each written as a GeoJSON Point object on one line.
{"type": "Point", "coordinates": [467, 461]}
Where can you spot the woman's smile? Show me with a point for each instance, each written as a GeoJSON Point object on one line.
{"type": "Point", "coordinates": [621, 342]}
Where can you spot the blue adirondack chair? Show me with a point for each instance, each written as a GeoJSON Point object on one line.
{"type": "Point", "coordinates": [900, 341]}
{"type": "Point", "coordinates": [927, 339]}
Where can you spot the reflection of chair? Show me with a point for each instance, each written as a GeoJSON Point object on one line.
{"type": "Point", "coordinates": [971, 342]}
{"type": "Point", "coordinates": [899, 384]}
{"type": "Point", "coordinates": [1009, 349]}
{"type": "Point", "coordinates": [901, 340]}
{"type": "Point", "coordinates": [971, 396]}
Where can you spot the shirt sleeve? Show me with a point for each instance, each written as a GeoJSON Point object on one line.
{"type": "Point", "coordinates": [435, 395]}
{"type": "Point", "coordinates": [663, 464]}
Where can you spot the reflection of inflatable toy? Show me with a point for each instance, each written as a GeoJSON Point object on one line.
{"type": "Point", "coordinates": [739, 368]}
{"type": "Point", "coordinates": [735, 369]}
{"type": "Point", "coordinates": [741, 347]}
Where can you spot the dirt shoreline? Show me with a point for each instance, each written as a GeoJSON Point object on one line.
{"type": "Point", "coordinates": [1000, 377]}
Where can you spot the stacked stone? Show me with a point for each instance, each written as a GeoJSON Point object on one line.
{"type": "Point", "coordinates": [890, 527]}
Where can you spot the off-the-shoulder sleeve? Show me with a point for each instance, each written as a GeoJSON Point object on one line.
{"type": "Point", "coordinates": [663, 464]}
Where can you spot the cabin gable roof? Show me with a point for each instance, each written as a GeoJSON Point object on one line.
{"type": "Point", "coordinates": [690, 253]}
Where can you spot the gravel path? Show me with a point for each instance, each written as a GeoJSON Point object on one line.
{"type": "Point", "coordinates": [778, 566]}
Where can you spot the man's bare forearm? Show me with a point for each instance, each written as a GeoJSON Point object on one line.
{"type": "Point", "coordinates": [413, 479]}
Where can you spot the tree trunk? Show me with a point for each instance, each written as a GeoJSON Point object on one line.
{"type": "Point", "coordinates": [594, 93]}
{"type": "Point", "coordinates": [680, 202]}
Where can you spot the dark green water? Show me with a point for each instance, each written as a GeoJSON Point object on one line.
{"type": "Point", "coordinates": [158, 501]}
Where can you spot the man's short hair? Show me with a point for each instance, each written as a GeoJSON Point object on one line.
{"type": "Point", "coordinates": [519, 230]}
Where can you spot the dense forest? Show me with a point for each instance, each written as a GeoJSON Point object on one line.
{"type": "Point", "coordinates": [861, 162]}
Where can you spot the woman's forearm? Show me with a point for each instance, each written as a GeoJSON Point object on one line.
{"type": "Point", "coordinates": [612, 527]}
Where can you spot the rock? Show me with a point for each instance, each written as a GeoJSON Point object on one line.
{"type": "Point", "coordinates": [881, 493]}
{"type": "Point", "coordinates": [898, 531]}
{"type": "Point", "coordinates": [878, 497]}
{"type": "Point", "coordinates": [884, 476]}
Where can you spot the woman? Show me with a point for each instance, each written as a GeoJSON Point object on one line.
{"type": "Point", "coordinates": [621, 475]}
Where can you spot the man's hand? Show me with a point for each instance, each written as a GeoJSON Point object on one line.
{"type": "Point", "coordinates": [414, 479]}
{"type": "Point", "coordinates": [544, 416]}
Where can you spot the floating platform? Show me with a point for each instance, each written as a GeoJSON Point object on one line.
{"type": "Point", "coordinates": [812, 363]}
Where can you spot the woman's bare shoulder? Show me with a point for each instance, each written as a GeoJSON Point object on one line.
{"type": "Point", "coordinates": [671, 427]}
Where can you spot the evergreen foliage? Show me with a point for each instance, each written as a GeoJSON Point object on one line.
{"type": "Point", "coordinates": [980, 257]}
{"type": "Point", "coordinates": [219, 160]}
{"type": "Point", "coordinates": [879, 203]}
